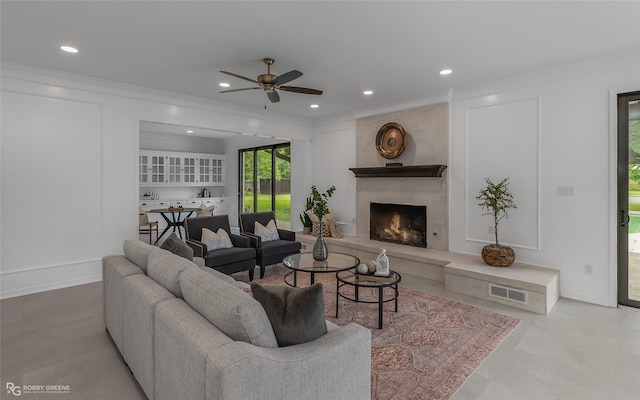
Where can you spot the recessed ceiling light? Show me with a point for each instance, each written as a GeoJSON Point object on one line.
{"type": "Point", "coordinates": [367, 92]}
{"type": "Point", "coordinates": [314, 106]}
{"type": "Point", "coordinates": [224, 84]}
{"type": "Point", "coordinates": [189, 131]}
{"type": "Point", "coordinates": [69, 49]}
{"type": "Point", "coordinates": [445, 72]}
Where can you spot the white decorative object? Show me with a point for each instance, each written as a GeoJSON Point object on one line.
{"type": "Point", "coordinates": [363, 269]}
{"type": "Point", "coordinates": [383, 264]}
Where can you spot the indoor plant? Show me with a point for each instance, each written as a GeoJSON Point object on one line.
{"type": "Point", "coordinates": [496, 200]}
{"type": "Point", "coordinates": [320, 208]}
{"type": "Point", "coordinates": [304, 217]}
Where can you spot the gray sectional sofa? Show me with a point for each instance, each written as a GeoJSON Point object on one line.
{"type": "Point", "coordinates": [190, 332]}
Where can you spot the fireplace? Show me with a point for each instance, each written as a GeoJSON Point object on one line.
{"type": "Point", "coordinates": [398, 223]}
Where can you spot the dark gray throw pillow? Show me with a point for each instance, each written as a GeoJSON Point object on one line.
{"type": "Point", "coordinates": [296, 314]}
{"type": "Point", "coordinates": [178, 247]}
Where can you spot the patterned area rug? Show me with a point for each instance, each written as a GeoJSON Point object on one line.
{"type": "Point", "coordinates": [426, 350]}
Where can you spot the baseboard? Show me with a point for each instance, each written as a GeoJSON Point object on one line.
{"type": "Point", "coordinates": [600, 301]}
{"type": "Point", "coordinates": [35, 280]}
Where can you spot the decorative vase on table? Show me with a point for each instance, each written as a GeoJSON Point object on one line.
{"type": "Point", "coordinates": [320, 252]}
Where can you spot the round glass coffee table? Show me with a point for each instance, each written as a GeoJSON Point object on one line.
{"type": "Point", "coordinates": [304, 262]}
{"type": "Point", "coordinates": [352, 278]}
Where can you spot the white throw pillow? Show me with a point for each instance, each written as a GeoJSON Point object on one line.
{"type": "Point", "coordinates": [266, 233]}
{"type": "Point", "coordinates": [216, 240]}
{"type": "Point", "coordinates": [205, 211]}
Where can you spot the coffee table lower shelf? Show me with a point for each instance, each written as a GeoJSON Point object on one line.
{"type": "Point", "coordinates": [350, 278]}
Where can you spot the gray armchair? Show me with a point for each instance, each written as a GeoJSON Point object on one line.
{"type": "Point", "coordinates": [271, 252]}
{"type": "Point", "coordinates": [240, 257]}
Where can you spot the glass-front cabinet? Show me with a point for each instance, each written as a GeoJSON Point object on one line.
{"type": "Point", "coordinates": [151, 169]}
{"type": "Point", "coordinates": [157, 169]}
{"type": "Point", "coordinates": [189, 170]}
{"type": "Point", "coordinates": [175, 169]}
{"type": "Point", "coordinates": [161, 168]}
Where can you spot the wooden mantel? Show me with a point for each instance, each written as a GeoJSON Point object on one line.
{"type": "Point", "coordinates": [402, 171]}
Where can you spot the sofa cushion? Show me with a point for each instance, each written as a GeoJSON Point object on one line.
{"type": "Point", "coordinates": [216, 240]}
{"type": "Point", "coordinates": [138, 252]}
{"type": "Point", "coordinates": [296, 314]}
{"type": "Point", "coordinates": [278, 247]}
{"type": "Point", "coordinates": [177, 247]}
{"type": "Point", "coordinates": [232, 311]}
{"type": "Point", "coordinates": [220, 257]}
{"type": "Point", "coordinates": [165, 268]}
{"type": "Point", "coordinates": [226, 278]}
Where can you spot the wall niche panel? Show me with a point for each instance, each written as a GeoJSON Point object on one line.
{"type": "Point", "coordinates": [502, 141]}
{"type": "Point", "coordinates": [51, 183]}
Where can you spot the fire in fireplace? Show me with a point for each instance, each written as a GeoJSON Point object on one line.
{"type": "Point", "coordinates": [398, 223]}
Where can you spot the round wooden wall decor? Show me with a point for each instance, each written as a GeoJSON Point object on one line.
{"type": "Point", "coordinates": [391, 140]}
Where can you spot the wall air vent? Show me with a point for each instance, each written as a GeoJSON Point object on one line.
{"type": "Point", "coordinates": [507, 293]}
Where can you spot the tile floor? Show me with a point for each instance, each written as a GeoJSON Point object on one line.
{"type": "Point", "coordinates": [579, 351]}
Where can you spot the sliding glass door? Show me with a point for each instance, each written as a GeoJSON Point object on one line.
{"type": "Point", "coordinates": [629, 199]}
{"type": "Point", "coordinates": [265, 181]}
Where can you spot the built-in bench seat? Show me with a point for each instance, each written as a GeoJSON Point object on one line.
{"type": "Point", "coordinates": [523, 286]}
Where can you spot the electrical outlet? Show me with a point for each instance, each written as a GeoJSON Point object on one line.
{"type": "Point", "coordinates": [490, 230]}
{"type": "Point", "coordinates": [588, 269]}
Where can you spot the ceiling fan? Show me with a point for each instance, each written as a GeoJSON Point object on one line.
{"type": "Point", "coordinates": [269, 83]}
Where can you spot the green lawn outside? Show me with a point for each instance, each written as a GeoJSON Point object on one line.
{"type": "Point", "coordinates": [283, 204]}
{"type": "Point", "coordinates": [633, 206]}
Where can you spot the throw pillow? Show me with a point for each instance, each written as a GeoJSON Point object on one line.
{"type": "Point", "coordinates": [178, 247]}
{"type": "Point", "coordinates": [216, 240]}
{"type": "Point", "coordinates": [296, 314]}
{"type": "Point", "coordinates": [266, 233]}
{"type": "Point", "coordinates": [205, 211]}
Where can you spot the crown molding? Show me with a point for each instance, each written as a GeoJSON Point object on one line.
{"type": "Point", "coordinates": [563, 73]}
{"type": "Point", "coordinates": [402, 106]}
{"type": "Point", "coordinates": [26, 73]}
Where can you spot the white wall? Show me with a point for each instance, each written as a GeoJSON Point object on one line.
{"type": "Point", "coordinates": [545, 131]}
{"type": "Point", "coordinates": [334, 152]}
{"type": "Point", "coordinates": [183, 143]}
{"type": "Point", "coordinates": [49, 241]}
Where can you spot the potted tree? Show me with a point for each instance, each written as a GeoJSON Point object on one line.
{"type": "Point", "coordinates": [496, 200]}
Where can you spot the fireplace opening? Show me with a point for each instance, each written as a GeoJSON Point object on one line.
{"type": "Point", "coordinates": [398, 223]}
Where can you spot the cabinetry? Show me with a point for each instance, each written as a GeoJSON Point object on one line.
{"type": "Point", "coordinates": [180, 169]}
{"type": "Point", "coordinates": [151, 168]}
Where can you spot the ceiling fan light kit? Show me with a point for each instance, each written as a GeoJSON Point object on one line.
{"type": "Point", "coordinates": [269, 82]}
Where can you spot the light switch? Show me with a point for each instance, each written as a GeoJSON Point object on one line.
{"type": "Point", "coordinates": [565, 190]}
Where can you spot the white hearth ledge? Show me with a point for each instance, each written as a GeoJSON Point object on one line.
{"type": "Point", "coordinates": [462, 273]}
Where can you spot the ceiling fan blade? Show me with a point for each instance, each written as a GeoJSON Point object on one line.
{"type": "Point", "coordinates": [239, 90]}
{"type": "Point", "coordinates": [300, 90]}
{"type": "Point", "coordinates": [240, 76]}
{"type": "Point", "coordinates": [288, 77]}
{"type": "Point", "coordinates": [273, 96]}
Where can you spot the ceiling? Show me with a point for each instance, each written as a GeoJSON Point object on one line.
{"type": "Point", "coordinates": [396, 49]}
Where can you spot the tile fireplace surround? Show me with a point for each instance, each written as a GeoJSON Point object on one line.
{"type": "Point", "coordinates": [427, 143]}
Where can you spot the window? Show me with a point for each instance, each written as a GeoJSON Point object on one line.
{"type": "Point", "coordinates": [265, 181]}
